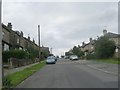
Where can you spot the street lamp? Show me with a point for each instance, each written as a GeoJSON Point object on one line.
{"type": "Point", "coordinates": [51, 50]}
{"type": "Point", "coordinates": [39, 39]}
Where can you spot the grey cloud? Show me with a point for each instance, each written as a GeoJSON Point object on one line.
{"type": "Point", "coordinates": [63, 25]}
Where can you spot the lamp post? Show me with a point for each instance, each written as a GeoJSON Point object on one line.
{"type": "Point", "coordinates": [51, 50]}
{"type": "Point", "coordinates": [1, 65]}
{"type": "Point", "coordinates": [39, 39]}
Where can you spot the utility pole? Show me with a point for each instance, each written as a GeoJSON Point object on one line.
{"type": "Point", "coordinates": [1, 65]}
{"type": "Point", "coordinates": [51, 50]}
{"type": "Point", "coordinates": [39, 39]}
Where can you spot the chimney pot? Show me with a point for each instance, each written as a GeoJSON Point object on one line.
{"type": "Point", "coordinates": [28, 37]}
{"type": "Point", "coordinates": [104, 32]}
{"type": "Point", "coordinates": [90, 39]}
{"type": "Point", "coordinates": [83, 43]}
{"type": "Point", "coordinates": [9, 26]}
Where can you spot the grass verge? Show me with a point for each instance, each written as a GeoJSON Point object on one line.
{"type": "Point", "coordinates": [113, 61]}
{"type": "Point", "coordinates": [12, 80]}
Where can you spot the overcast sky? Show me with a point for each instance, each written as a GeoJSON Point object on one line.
{"type": "Point", "coordinates": [63, 24]}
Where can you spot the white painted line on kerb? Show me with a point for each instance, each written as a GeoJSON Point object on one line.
{"type": "Point", "coordinates": [102, 70]}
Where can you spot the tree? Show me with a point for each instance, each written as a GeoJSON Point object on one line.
{"type": "Point", "coordinates": [77, 51]}
{"type": "Point", "coordinates": [69, 53]}
{"type": "Point", "coordinates": [32, 51]}
{"type": "Point", "coordinates": [104, 48]}
{"type": "Point", "coordinates": [44, 54]}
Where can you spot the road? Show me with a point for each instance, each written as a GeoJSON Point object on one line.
{"type": "Point", "coordinates": [70, 74]}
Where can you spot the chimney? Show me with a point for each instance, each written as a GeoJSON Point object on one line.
{"type": "Point", "coordinates": [33, 40]}
{"type": "Point", "coordinates": [21, 33]}
{"type": "Point", "coordinates": [90, 39]}
{"type": "Point", "coordinates": [28, 37]}
{"type": "Point", "coordinates": [83, 43]}
{"type": "Point", "coordinates": [9, 26]}
{"type": "Point", "coordinates": [104, 32]}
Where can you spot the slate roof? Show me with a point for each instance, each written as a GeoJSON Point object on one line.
{"type": "Point", "coordinates": [92, 43]}
{"type": "Point", "coordinates": [112, 35]}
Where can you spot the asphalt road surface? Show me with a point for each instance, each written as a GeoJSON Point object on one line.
{"type": "Point", "coordinates": [70, 74]}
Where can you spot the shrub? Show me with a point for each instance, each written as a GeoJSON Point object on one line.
{"type": "Point", "coordinates": [20, 54]}
{"type": "Point", "coordinates": [6, 82]}
{"type": "Point", "coordinates": [5, 56]}
{"type": "Point", "coordinates": [104, 48]}
{"type": "Point", "coordinates": [91, 56]}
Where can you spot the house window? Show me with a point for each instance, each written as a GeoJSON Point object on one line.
{"type": "Point", "coordinates": [18, 41]}
{"type": "Point", "coordinates": [3, 33]}
{"type": "Point", "coordinates": [116, 50]}
{"type": "Point", "coordinates": [6, 47]}
{"type": "Point", "coordinates": [91, 47]}
{"type": "Point", "coordinates": [20, 48]}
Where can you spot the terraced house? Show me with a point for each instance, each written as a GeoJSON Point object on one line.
{"type": "Point", "coordinates": [15, 40]}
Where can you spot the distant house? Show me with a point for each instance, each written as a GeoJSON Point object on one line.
{"type": "Point", "coordinates": [89, 47]}
{"type": "Point", "coordinates": [114, 37]}
{"type": "Point", "coordinates": [46, 49]}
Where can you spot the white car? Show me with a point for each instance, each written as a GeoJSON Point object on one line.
{"type": "Point", "coordinates": [73, 57]}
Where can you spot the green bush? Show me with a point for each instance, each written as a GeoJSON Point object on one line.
{"type": "Point", "coordinates": [5, 56]}
{"type": "Point", "coordinates": [104, 48]}
{"type": "Point", "coordinates": [7, 82]}
{"type": "Point", "coordinates": [31, 56]}
{"type": "Point", "coordinates": [91, 56]}
{"type": "Point", "coordinates": [20, 54]}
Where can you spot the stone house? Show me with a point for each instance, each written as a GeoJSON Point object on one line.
{"type": "Point", "coordinates": [116, 38]}
{"type": "Point", "coordinates": [16, 40]}
{"type": "Point", "coordinates": [89, 47]}
{"type": "Point", "coordinates": [5, 38]}
{"type": "Point", "coordinates": [12, 38]}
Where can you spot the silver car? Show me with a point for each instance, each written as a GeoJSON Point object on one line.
{"type": "Point", "coordinates": [50, 60]}
{"type": "Point", "coordinates": [73, 57]}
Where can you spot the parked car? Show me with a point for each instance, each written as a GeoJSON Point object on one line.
{"type": "Point", "coordinates": [57, 56]}
{"type": "Point", "coordinates": [66, 57]}
{"type": "Point", "coordinates": [50, 60]}
{"type": "Point", "coordinates": [73, 57]}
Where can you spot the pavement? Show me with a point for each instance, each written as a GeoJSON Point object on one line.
{"type": "Point", "coordinates": [73, 74]}
{"type": "Point", "coordinates": [13, 70]}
